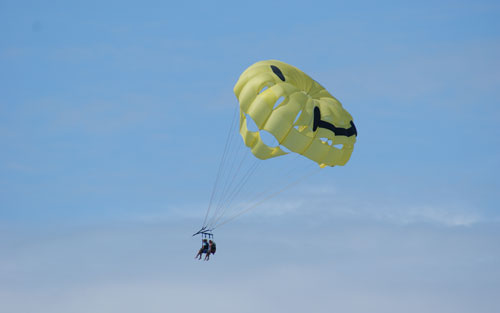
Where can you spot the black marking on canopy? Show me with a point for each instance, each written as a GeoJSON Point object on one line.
{"type": "Point", "coordinates": [278, 72]}
{"type": "Point", "coordinates": [338, 131]}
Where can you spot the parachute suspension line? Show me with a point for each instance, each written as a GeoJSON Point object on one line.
{"type": "Point", "coordinates": [283, 172]}
{"type": "Point", "coordinates": [235, 153]}
{"type": "Point", "coordinates": [223, 200]}
{"type": "Point", "coordinates": [271, 188]}
{"type": "Point", "coordinates": [229, 182]}
{"type": "Point", "coordinates": [272, 185]}
{"type": "Point", "coordinates": [239, 185]}
{"type": "Point", "coordinates": [236, 191]}
{"type": "Point", "coordinates": [256, 195]}
{"type": "Point", "coordinates": [221, 165]}
{"type": "Point", "coordinates": [295, 182]}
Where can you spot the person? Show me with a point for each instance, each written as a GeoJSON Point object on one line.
{"type": "Point", "coordinates": [211, 249]}
{"type": "Point", "coordinates": [204, 249]}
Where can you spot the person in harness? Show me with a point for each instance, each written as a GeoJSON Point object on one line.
{"type": "Point", "coordinates": [204, 249]}
{"type": "Point", "coordinates": [211, 249]}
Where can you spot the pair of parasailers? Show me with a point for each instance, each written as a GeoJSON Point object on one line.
{"type": "Point", "coordinates": [208, 247]}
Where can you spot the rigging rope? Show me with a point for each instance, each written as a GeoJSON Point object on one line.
{"type": "Point", "coordinates": [232, 177]}
{"type": "Point", "coordinates": [221, 164]}
{"type": "Point", "coordinates": [295, 182]}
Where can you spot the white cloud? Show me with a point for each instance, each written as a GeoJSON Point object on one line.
{"type": "Point", "coordinates": [328, 203]}
{"type": "Point", "coordinates": [447, 216]}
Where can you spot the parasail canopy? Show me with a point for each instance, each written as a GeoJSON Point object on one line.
{"type": "Point", "coordinates": [302, 118]}
{"type": "Point", "coordinates": [300, 113]}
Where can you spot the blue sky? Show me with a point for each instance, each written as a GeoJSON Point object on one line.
{"type": "Point", "coordinates": [113, 118]}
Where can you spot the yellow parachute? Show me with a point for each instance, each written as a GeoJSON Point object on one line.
{"type": "Point", "coordinates": [278, 99]}
{"type": "Point", "coordinates": [300, 113]}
